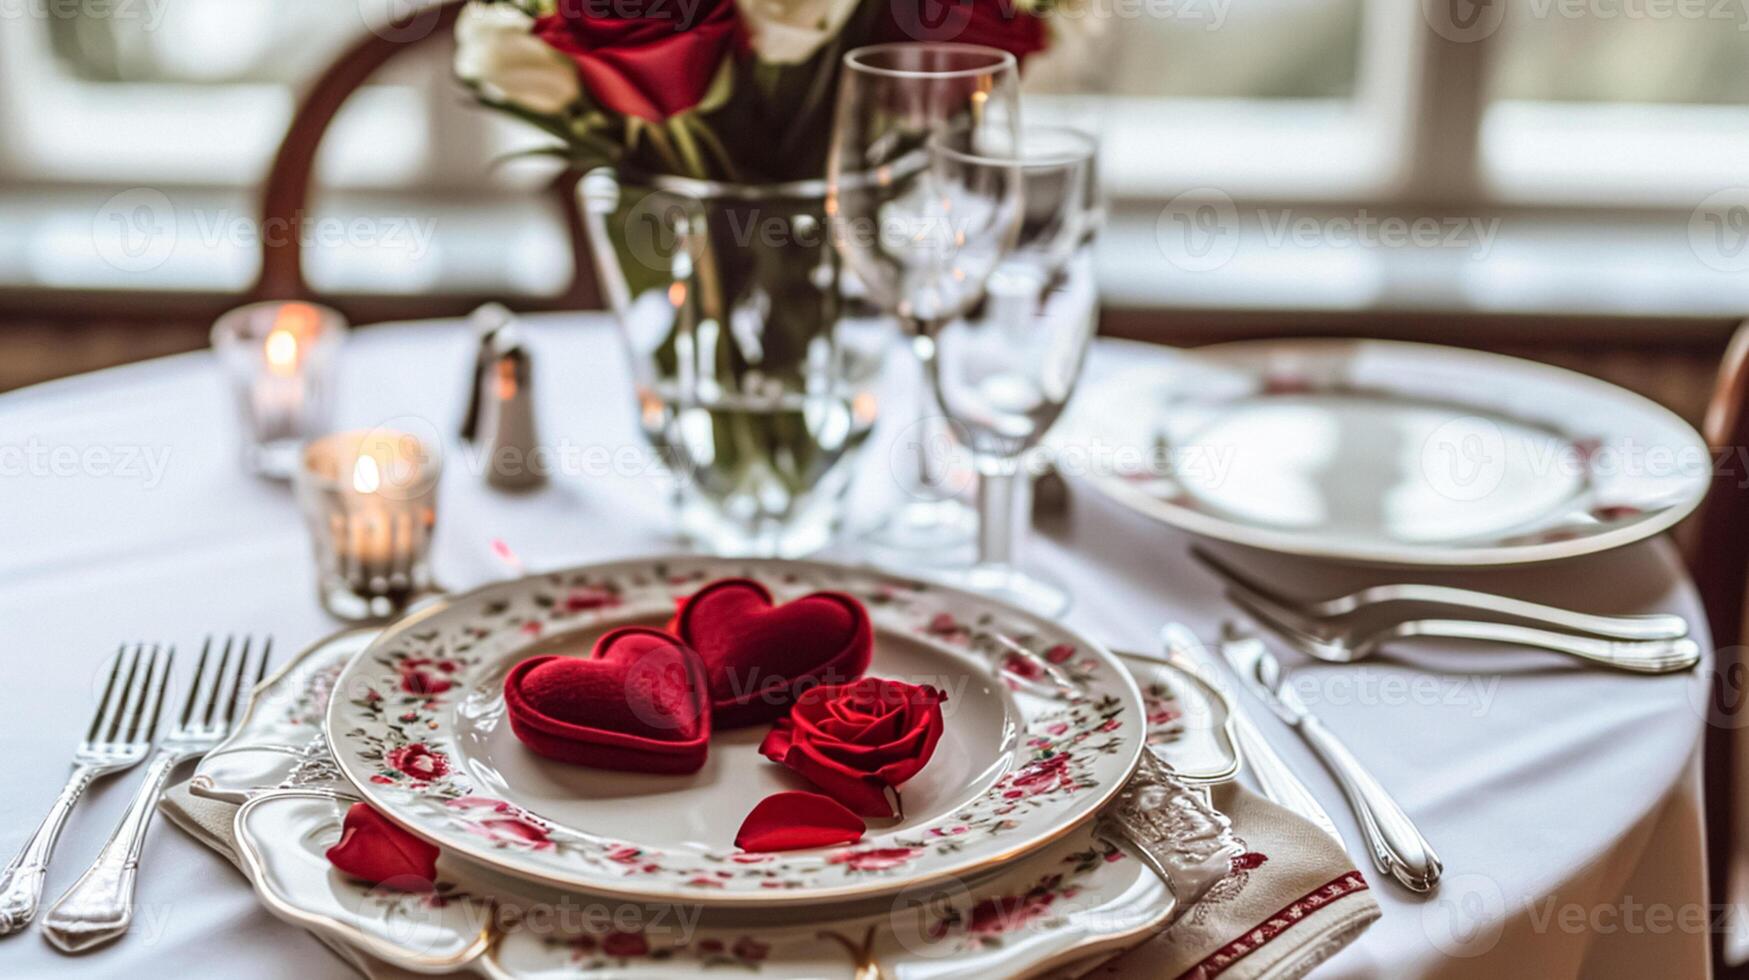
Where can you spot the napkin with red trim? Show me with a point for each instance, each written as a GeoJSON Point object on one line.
{"type": "Point", "coordinates": [1294, 899]}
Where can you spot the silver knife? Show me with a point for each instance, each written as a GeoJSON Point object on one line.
{"type": "Point", "coordinates": [1184, 651]}
{"type": "Point", "coordinates": [1397, 846]}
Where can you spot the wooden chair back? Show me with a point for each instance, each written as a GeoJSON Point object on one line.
{"type": "Point", "coordinates": [1717, 550]}
{"type": "Point", "coordinates": [285, 199]}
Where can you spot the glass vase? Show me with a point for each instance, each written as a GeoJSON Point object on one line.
{"type": "Point", "coordinates": [755, 381]}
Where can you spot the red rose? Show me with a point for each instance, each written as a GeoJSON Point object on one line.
{"type": "Point", "coordinates": [652, 66]}
{"type": "Point", "coordinates": [418, 680]}
{"type": "Point", "coordinates": [587, 598]}
{"type": "Point", "coordinates": [750, 950]}
{"type": "Point", "coordinates": [418, 761]}
{"type": "Point", "coordinates": [994, 916]}
{"type": "Point", "coordinates": [858, 741]}
{"type": "Point", "coordinates": [1043, 776]}
{"type": "Point", "coordinates": [992, 23]}
{"type": "Point", "coordinates": [373, 849]}
{"type": "Point", "coordinates": [510, 827]}
{"type": "Point", "coordinates": [874, 858]}
{"type": "Point", "coordinates": [515, 830]}
{"type": "Point", "coordinates": [1022, 667]}
{"type": "Point", "coordinates": [624, 944]}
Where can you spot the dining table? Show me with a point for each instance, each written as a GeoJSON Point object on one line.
{"type": "Point", "coordinates": [1564, 800]}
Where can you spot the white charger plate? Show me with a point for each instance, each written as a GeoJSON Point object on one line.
{"type": "Point", "coordinates": [1043, 727]}
{"type": "Point", "coordinates": [1385, 453]}
{"type": "Point", "coordinates": [1070, 900]}
{"type": "Point", "coordinates": [1006, 925]}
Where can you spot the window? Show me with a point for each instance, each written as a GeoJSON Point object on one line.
{"type": "Point", "coordinates": [158, 120]}
{"type": "Point", "coordinates": [1595, 150]}
{"type": "Point", "coordinates": [1624, 101]}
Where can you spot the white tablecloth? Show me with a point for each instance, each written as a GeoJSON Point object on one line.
{"type": "Point", "coordinates": [1565, 802]}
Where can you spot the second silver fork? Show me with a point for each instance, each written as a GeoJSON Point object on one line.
{"type": "Point", "coordinates": [100, 905]}
{"type": "Point", "coordinates": [1653, 626]}
{"type": "Point", "coordinates": [1324, 642]}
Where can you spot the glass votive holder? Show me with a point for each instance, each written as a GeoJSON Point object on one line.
{"type": "Point", "coordinates": [281, 359]}
{"type": "Point", "coordinates": [370, 500]}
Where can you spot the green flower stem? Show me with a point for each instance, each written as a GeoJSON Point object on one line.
{"type": "Point", "coordinates": [715, 146]}
{"type": "Point", "coordinates": [636, 127]}
{"type": "Point", "coordinates": [688, 147]}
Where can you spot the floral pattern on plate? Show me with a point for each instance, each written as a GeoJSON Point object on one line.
{"type": "Point", "coordinates": [1070, 898]}
{"type": "Point", "coordinates": [392, 726]}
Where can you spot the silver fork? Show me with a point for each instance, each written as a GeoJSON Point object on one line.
{"type": "Point", "coordinates": [120, 733]}
{"type": "Point", "coordinates": [1326, 642]}
{"type": "Point", "coordinates": [1654, 626]}
{"type": "Point", "coordinates": [100, 905]}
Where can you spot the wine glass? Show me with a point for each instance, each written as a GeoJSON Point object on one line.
{"type": "Point", "coordinates": [903, 110]}
{"type": "Point", "coordinates": [1004, 372]}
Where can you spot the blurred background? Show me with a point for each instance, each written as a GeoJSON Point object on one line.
{"type": "Point", "coordinates": [1575, 174]}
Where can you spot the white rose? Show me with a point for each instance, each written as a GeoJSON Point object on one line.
{"type": "Point", "coordinates": [494, 50]}
{"type": "Point", "coordinates": [786, 32]}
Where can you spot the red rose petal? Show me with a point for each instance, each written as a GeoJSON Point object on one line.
{"type": "Point", "coordinates": [797, 819]}
{"type": "Point", "coordinates": [375, 850]}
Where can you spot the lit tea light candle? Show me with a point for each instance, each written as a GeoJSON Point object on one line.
{"type": "Point", "coordinates": [280, 357]}
{"type": "Point", "coordinates": [370, 499]}
{"type": "Point", "coordinates": [282, 352]}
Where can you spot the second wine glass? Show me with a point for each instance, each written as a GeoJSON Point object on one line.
{"type": "Point", "coordinates": [1004, 372]}
{"type": "Point", "coordinates": [922, 243]}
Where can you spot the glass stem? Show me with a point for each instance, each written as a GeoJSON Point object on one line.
{"type": "Point", "coordinates": [928, 418]}
{"type": "Point", "coordinates": [999, 529]}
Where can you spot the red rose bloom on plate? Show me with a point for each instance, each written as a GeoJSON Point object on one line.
{"type": "Point", "coordinates": [859, 742]}
{"type": "Point", "coordinates": [655, 64]}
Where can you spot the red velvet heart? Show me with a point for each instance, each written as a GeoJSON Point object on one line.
{"type": "Point", "coordinates": [758, 657]}
{"type": "Point", "coordinates": [375, 850]}
{"type": "Point", "coordinates": [638, 703]}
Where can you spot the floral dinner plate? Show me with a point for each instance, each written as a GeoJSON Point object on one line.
{"type": "Point", "coordinates": [1042, 728]}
